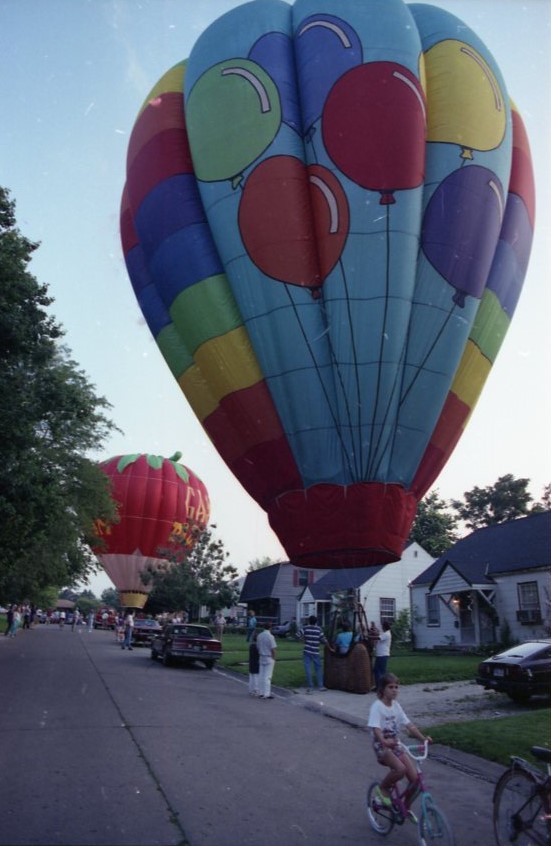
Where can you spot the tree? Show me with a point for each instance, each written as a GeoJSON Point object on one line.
{"type": "Point", "coordinates": [259, 564]}
{"type": "Point", "coordinates": [196, 577]}
{"type": "Point", "coordinates": [50, 492]}
{"type": "Point", "coordinates": [506, 500]}
{"type": "Point", "coordinates": [434, 527]}
{"type": "Point", "coordinates": [110, 598]}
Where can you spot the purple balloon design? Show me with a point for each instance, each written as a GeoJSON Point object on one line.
{"type": "Point", "coordinates": [461, 229]}
{"type": "Point", "coordinates": [512, 255]}
{"type": "Point", "coordinates": [274, 53]}
{"type": "Point", "coordinates": [338, 43]}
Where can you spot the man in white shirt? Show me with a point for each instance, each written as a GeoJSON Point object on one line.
{"type": "Point", "coordinates": [128, 630]}
{"type": "Point", "coordinates": [266, 646]}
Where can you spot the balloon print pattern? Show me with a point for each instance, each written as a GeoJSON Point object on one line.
{"type": "Point", "coordinates": [327, 220]}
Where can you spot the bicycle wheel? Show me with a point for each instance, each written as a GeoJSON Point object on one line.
{"type": "Point", "coordinates": [519, 813]}
{"type": "Point", "coordinates": [434, 827]}
{"type": "Point", "coordinates": [381, 818]}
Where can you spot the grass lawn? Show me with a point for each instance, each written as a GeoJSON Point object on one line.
{"type": "Point", "coordinates": [494, 740]}
{"type": "Point", "coordinates": [410, 667]}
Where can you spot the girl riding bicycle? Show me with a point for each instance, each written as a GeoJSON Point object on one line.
{"type": "Point", "coordinates": [386, 718]}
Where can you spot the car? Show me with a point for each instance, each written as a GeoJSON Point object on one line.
{"type": "Point", "coordinates": [521, 671]}
{"type": "Point", "coordinates": [281, 629]}
{"type": "Point", "coordinates": [185, 643]}
{"type": "Point", "coordinates": [144, 631]}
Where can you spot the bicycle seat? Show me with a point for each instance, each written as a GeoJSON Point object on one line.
{"type": "Point", "coordinates": [541, 753]}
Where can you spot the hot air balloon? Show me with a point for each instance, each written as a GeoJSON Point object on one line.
{"type": "Point", "coordinates": [327, 220]}
{"type": "Point", "coordinates": [160, 501]}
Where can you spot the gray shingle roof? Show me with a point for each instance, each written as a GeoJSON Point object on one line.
{"type": "Point", "coordinates": [523, 544]}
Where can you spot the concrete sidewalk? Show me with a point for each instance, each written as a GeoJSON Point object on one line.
{"type": "Point", "coordinates": [425, 704]}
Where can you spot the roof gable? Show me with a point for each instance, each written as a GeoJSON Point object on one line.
{"type": "Point", "coordinates": [523, 544]}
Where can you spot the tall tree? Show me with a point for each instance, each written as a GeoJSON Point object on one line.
{"type": "Point", "coordinates": [196, 577]}
{"type": "Point", "coordinates": [50, 417]}
{"type": "Point", "coordinates": [507, 499]}
{"type": "Point", "coordinates": [434, 527]}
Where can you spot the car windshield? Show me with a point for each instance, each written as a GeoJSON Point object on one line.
{"type": "Point", "coordinates": [192, 631]}
{"type": "Point", "coordinates": [523, 650]}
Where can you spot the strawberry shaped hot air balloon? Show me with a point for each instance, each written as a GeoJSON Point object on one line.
{"type": "Point", "coordinates": [158, 499]}
{"type": "Point", "coordinates": [327, 221]}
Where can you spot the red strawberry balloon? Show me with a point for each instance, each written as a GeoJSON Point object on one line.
{"type": "Point", "coordinates": [158, 499]}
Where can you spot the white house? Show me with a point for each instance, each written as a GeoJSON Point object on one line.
{"type": "Point", "coordinates": [490, 586]}
{"type": "Point", "coordinates": [382, 590]}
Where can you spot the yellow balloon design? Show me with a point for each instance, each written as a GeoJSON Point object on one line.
{"type": "Point", "coordinates": [465, 103]}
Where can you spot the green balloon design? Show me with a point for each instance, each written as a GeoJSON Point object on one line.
{"type": "Point", "coordinates": [233, 114]}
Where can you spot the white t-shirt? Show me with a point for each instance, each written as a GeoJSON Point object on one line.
{"type": "Point", "coordinates": [265, 642]}
{"type": "Point", "coordinates": [389, 718]}
{"type": "Point", "coordinates": [382, 647]}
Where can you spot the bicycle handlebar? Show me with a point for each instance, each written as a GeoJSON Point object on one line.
{"type": "Point", "coordinates": [422, 748]}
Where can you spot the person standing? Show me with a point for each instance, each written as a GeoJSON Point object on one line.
{"type": "Point", "coordinates": [251, 625]}
{"type": "Point", "coordinates": [15, 621]}
{"type": "Point", "coordinates": [219, 623]}
{"type": "Point", "coordinates": [267, 648]}
{"type": "Point", "coordinates": [382, 652]}
{"type": "Point", "coordinates": [128, 629]}
{"type": "Point", "coordinates": [313, 637]}
{"type": "Point", "coordinates": [254, 667]}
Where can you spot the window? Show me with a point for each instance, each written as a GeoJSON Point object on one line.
{"type": "Point", "coordinates": [529, 612]}
{"type": "Point", "coordinates": [303, 579]}
{"type": "Point", "coordinates": [433, 609]}
{"type": "Point", "coordinates": [387, 609]}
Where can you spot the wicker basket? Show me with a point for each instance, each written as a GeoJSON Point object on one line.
{"type": "Point", "coordinates": [350, 672]}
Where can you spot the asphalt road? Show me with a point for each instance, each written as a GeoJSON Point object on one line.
{"type": "Point", "coordinates": [104, 747]}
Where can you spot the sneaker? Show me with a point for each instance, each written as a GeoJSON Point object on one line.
{"type": "Point", "coordinates": [380, 797]}
{"type": "Point", "coordinates": [322, 689]}
{"type": "Point", "coordinates": [271, 696]}
{"type": "Point", "coordinates": [308, 690]}
{"type": "Point", "coordinates": [411, 817]}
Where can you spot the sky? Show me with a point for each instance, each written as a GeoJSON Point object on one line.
{"type": "Point", "coordinates": [75, 74]}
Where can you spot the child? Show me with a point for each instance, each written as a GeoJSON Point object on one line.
{"type": "Point", "coordinates": [386, 718]}
{"type": "Point", "coordinates": [254, 666]}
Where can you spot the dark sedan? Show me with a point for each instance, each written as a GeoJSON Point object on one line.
{"type": "Point", "coordinates": [144, 631]}
{"type": "Point", "coordinates": [520, 672]}
{"type": "Point", "coordinates": [184, 643]}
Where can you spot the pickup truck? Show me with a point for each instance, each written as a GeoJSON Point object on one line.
{"type": "Point", "coordinates": [184, 643]}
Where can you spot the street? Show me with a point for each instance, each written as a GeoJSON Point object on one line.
{"type": "Point", "coordinates": [101, 746]}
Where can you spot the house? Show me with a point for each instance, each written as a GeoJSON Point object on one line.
{"type": "Point", "coordinates": [272, 592]}
{"type": "Point", "coordinates": [492, 585]}
{"type": "Point", "coordinates": [382, 589]}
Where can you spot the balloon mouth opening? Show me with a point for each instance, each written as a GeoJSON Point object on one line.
{"type": "Point", "coordinates": [343, 526]}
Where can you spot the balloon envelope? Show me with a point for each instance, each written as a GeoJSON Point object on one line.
{"type": "Point", "coordinates": [158, 499]}
{"type": "Point", "coordinates": [327, 220]}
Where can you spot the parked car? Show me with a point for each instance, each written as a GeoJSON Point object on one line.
{"type": "Point", "coordinates": [282, 629]}
{"type": "Point", "coordinates": [144, 631]}
{"type": "Point", "coordinates": [521, 671]}
{"type": "Point", "coordinates": [184, 643]}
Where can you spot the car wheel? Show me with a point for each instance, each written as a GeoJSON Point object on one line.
{"type": "Point", "coordinates": [209, 665]}
{"type": "Point", "coordinates": [153, 655]}
{"type": "Point", "coordinates": [519, 697]}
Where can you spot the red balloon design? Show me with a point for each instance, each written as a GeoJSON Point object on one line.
{"type": "Point", "coordinates": [374, 127]}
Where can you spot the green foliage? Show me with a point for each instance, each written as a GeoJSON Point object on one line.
{"type": "Point", "coordinates": [50, 493]}
{"type": "Point", "coordinates": [196, 577]}
{"type": "Point", "coordinates": [506, 500]}
{"type": "Point", "coordinates": [110, 598]}
{"type": "Point", "coordinates": [434, 527]}
{"type": "Point", "coordinates": [401, 627]}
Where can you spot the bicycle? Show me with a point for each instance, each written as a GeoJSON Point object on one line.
{"type": "Point", "coordinates": [433, 826]}
{"type": "Point", "coordinates": [522, 802]}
